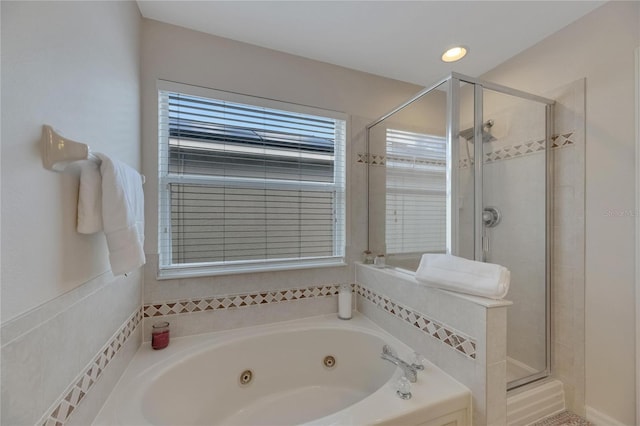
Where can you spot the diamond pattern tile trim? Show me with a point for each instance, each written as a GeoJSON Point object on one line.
{"type": "Point", "coordinates": [233, 301]}
{"type": "Point", "coordinates": [75, 393]}
{"type": "Point", "coordinates": [453, 338]}
{"type": "Point", "coordinates": [520, 149]}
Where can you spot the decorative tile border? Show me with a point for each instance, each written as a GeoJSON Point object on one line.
{"type": "Point", "coordinates": [382, 160]}
{"type": "Point", "coordinates": [505, 153]}
{"type": "Point", "coordinates": [455, 339]}
{"type": "Point", "coordinates": [238, 300]}
{"type": "Point", "coordinates": [75, 393]}
{"type": "Point", "coordinates": [527, 148]}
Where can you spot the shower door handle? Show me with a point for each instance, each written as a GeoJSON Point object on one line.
{"type": "Point", "coordinates": [485, 243]}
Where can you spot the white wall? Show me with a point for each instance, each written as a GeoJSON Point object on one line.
{"type": "Point", "coordinates": [74, 65]}
{"type": "Point", "coordinates": [599, 47]}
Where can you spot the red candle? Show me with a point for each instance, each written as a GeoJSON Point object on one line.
{"type": "Point", "coordinates": [160, 335]}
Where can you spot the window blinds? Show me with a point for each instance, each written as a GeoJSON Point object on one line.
{"type": "Point", "coordinates": [415, 193]}
{"type": "Point", "coordinates": [247, 187]}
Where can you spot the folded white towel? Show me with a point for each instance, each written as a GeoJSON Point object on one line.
{"type": "Point", "coordinates": [463, 275]}
{"type": "Point", "coordinates": [90, 199]}
{"type": "Point", "coordinates": [122, 215]}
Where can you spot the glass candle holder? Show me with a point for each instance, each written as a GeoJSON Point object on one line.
{"type": "Point", "coordinates": [160, 335]}
{"type": "Point", "coordinates": [344, 302]}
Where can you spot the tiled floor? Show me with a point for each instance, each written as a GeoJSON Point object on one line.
{"type": "Point", "coordinates": [565, 418]}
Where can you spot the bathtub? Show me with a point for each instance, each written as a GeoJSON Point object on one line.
{"type": "Point", "coordinates": [314, 371]}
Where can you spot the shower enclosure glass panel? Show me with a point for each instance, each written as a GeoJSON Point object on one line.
{"type": "Point", "coordinates": [514, 228]}
{"type": "Point", "coordinates": [464, 168]}
{"type": "Point", "coordinates": [407, 181]}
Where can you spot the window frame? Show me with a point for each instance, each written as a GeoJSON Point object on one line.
{"type": "Point", "coordinates": [167, 270]}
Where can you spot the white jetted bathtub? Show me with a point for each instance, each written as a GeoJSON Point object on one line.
{"type": "Point", "coordinates": [281, 374]}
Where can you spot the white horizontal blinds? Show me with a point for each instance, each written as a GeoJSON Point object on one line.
{"type": "Point", "coordinates": [415, 193]}
{"type": "Point", "coordinates": [249, 185]}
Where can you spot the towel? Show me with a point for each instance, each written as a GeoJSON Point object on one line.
{"type": "Point", "coordinates": [463, 275]}
{"type": "Point", "coordinates": [122, 215]}
{"type": "Point", "coordinates": [90, 199]}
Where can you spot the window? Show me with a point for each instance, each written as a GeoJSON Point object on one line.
{"type": "Point", "coordinates": [416, 193]}
{"type": "Point", "coordinates": [247, 184]}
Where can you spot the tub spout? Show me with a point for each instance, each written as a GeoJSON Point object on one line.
{"type": "Point", "coordinates": [409, 371]}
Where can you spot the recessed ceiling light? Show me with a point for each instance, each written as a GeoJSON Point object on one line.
{"type": "Point", "coordinates": [454, 54]}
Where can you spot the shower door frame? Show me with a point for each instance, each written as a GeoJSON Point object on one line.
{"type": "Point", "coordinates": [453, 81]}
{"type": "Point", "coordinates": [479, 252]}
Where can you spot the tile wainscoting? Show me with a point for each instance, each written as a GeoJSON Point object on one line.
{"type": "Point", "coordinates": [463, 335]}
{"type": "Point", "coordinates": [441, 332]}
{"type": "Point", "coordinates": [227, 311]}
{"type": "Point", "coordinates": [61, 360]}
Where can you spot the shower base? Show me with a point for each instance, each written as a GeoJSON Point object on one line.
{"type": "Point", "coordinates": [517, 370]}
{"type": "Point", "coordinates": [534, 402]}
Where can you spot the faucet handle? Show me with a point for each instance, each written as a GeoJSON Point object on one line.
{"type": "Point", "coordinates": [417, 361]}
{"type": "Point", "coordinates": [403, 388]}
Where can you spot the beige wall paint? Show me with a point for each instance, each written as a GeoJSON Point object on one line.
{"type": "Point", "coordinates": [75, 66]}
{"type": "Point", "coordinates": [600, 47]}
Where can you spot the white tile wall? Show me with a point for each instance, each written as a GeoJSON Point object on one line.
{"type": "Point", "coordinates": [44, 350]}
{"type": "Point", "coordinates": [481, 319]}
{"type": "Point", "coordinates": [568, 283]}
{"type": "Point", "coordinates": [223, 312]}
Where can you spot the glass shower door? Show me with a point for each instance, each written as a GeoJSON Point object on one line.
{"type": "Point", "coordinates": [514, 225]}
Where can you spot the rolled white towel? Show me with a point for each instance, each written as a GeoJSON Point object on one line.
{"type": "Point", "coordinates": [463, 275]}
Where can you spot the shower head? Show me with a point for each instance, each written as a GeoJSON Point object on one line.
{"type": "Point", "coordinates": [486, 132]}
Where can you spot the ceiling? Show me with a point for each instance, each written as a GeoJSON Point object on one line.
{"type": "Point", "coordinates": [397, 39]}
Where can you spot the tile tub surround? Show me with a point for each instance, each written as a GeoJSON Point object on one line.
{"type": "Point", "coordinates": [75, 394]}
{"type": "Point", "coordinates": [456, 340]}
{"type": "Point", "coordinates": [227, 311]}
{"type": "Point", "coordinates": [482, 321]}
{"type": "Point", "coordinates": [48, 353]}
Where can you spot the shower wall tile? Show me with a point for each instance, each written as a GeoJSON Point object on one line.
{"type": "Point", "coordinates": [568, 282]}
{"type": "Point", "coordinates": [563, 293]}
{"type": "Point", "coordinates": [564, 202]}
{"type": "Point", "coordinates": [44, 350]}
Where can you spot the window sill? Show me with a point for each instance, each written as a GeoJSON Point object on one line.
{"type": "Point", "coordinates": [208, 271]}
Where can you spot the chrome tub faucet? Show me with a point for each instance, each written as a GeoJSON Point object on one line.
{"type": "Point", "coordinates": [410, 371]}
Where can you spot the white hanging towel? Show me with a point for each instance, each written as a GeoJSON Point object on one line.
{"type": "Point", "coordinates": [122, 215]}
{"type": "Point", "coordinates": [90, 199]}
{"type": "Point", "coordinates": [463, 275]}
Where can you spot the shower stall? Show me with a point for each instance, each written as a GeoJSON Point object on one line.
{"type": "Point", "coordinates": [464, 167]}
